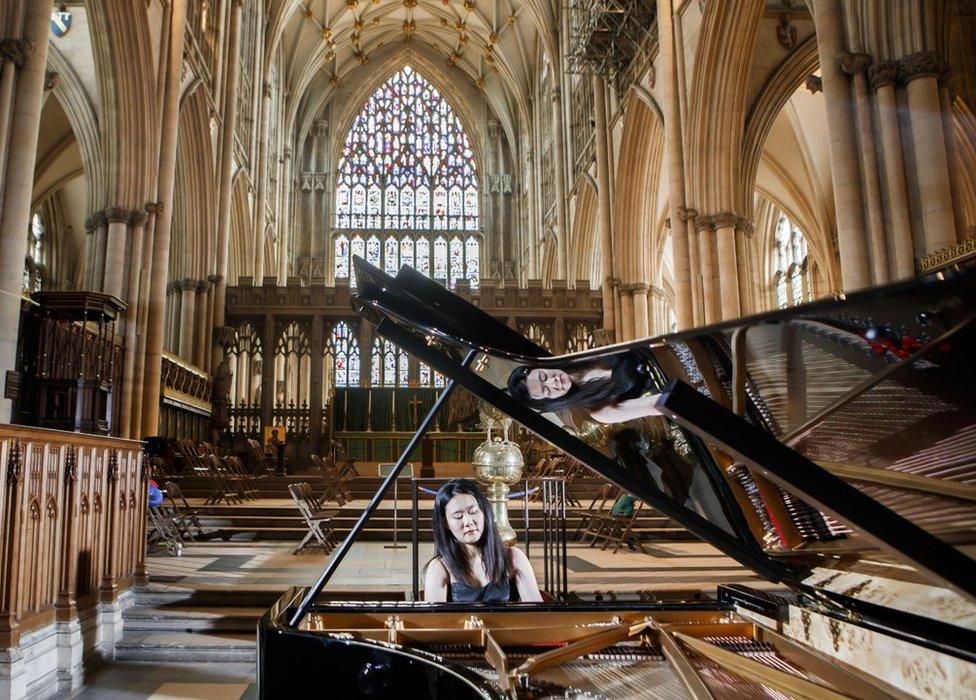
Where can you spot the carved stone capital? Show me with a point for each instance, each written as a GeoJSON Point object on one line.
{"type": "Point", "coordinates": [920, 65]}
{"type": "Point", "coordinates": [89, 225]}
{"type": "Point", "coordinates": [321, 127]}
{"type": "Point", "coordinates": [215, 279]}
{"type": "Point", "coordinates": [725, 219]}
{"type": "Point", "coordinates": [704, 223]}
{"type": "Point", "coordinates": [17, 51]}
{"type": "Point", "coordinates": [639, 288]}
{"type": "Point", "coordinates": [204, 286]}
{"type": "Point", "coordinates": [187, 285]}
{"type": "Point", "coordinates": [117, 215]}
{"type": "Point", "coordinates": [98, 219]}
{"type": "Point", "coordinates": [614, 281]}
{"type": "Point", "coordinates": [51, 80]}
{"type": "Point", "coordinates": [154, 207]}
{"type": "Point", "coordinates": [686, 214]}
{"type": "Point", "coordinates": [137, 218]}
{"type": "Point", "coordinates": [172, 288]}
{"type": "Point", "coordinates": [883, 73]}
{"type": "Point", "coordinates": [853, 63]}
{"type": "Point", "coordinates": [814, 83]}
{"type": "Point", "coordinates": [556, 94]}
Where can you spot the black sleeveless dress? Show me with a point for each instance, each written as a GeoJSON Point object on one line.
{"type": "Point", "coordinates": [463, 592]}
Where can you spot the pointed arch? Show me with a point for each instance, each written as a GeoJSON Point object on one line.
{"type": "Point", "coordinates": [241, 258]}
{"type": "Point", "coordinates": [584, 248]}
{"type": "Point", "coordinates": [640, 167]}
{"type": "Point", "coordinates": [194, 231]}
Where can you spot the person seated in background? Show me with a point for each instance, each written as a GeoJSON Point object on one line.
{"type": "Point", "coordinates": [471, 563]}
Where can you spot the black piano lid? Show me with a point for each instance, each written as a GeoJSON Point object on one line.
{"type": "Point", "coordinates": [915, 332]}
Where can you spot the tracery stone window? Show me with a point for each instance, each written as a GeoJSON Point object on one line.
{"type": "Point", "coordinates": [293, 352]}
{"type": "Point", "coordinates": [390, 364]}
{"type": "Point", "coordinates": [34, 263]}
{"type": "Point", "coordinates": [246, 366]}
{"type": "Point", "coordinates": [538, 334]}
{"type": "Point", "coordinates": [580, 337]}
{"type": "Point", "coordinates": [407, 187]}
{"type": "Point", "coordinates": [791, 266]}
{"type": "Point", "coordinates": [344, 351]}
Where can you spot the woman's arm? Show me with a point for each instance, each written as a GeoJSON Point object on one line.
{"type": "Point", "coordinates": [436, 582]}
{"type": "Point", "coordinates": [528, 587]}
{"type": "Point", "coordinates": [625, 410]}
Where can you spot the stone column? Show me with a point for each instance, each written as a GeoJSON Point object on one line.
{"type": "Point", "coordinates": [13, 55]}
{"type": "Point", "coordinates": [686, 223]}
{"type": "Point", "coordinates": [920, 72]}
{"type": "Point", "coordinates": [320, 226]}
{"type": "Point", "coordinates": [856, 65]}
{"type": "Point", "coordinates": [641, 315]}
{"type": "Point", "coordinates": [682, 229]}
{"type": "Point", "coordinates": [626, 313]}
{"type": "Point", "coordinates": [744, 268]}
{"type": "Point", "coordinates": [604, 221]}
{"type": "Point", "coordinates": [188, 324]}
{"type": "Point", "coordinates": [18, 182]}
{"type": "Point", "coordinates": [164, 220]}
{"type": "Point", "coordinates": [957, 176]}
{"type": "Point", "coordinates": [129, 414]}
{"type": "Point", "coordinates": [845, 169]}
{"type": "Point", "coordinates": [173, 303]}
{"type": "Point", "coordinates": [901, 248]}
{"type": "Point", "coordinates": [260, 207]}
{"type": "Point", "coordinates": [493, 197]}
{"type": "Point", "coordinates": [618, 332]}
{"type": "Point", "coordinates": [118, 226]}
{"type": "Point", "coordinates": [727, 269]}
{"type": "Point", "coordinates": [228, 129]}
{"type": "Point", "coordinates": [559, 165]}
{"type": "Point", "coordinates": [90, 240]}
{"type": "Point", "coordinates": [101, 240]}
{"type": "Point", "coordinates": [200, 339]}
{"type": "Point", "coordinates": [286, 241]}
{"type": "Point", "coordinates": [210, 340]}
{"type": "Point", "coordinates": [707, 261]}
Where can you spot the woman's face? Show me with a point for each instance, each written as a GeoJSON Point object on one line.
{"type": "Point", "coordinates": [542, 383]}
{"type": "Point", "coordinates": [465, 519]}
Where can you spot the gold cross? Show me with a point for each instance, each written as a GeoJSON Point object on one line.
{"type": "Point", "coordinates": [415, 402]}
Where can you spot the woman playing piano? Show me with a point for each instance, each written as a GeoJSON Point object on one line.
{"type": "Point", "coordinates": [613, 390]}
{"type": "Point", "coordinates": [471, 563]}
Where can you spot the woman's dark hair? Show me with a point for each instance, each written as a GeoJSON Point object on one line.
{"type": "Point", "coordinates": [494, 553]}
{"type": "Point", "coordinates": [595, 393]}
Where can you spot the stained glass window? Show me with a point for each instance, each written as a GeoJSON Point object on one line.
{"type": "Point", "coordinates": [407, 169]}
{"type": "Point", "coordinates": [790, 265]}
{"type": "Point", "coordinates": [345, 355]}
{"type": "Point", "coordinates": [390, 364]}
{"type": "Point", "coordinates": [429, 377]}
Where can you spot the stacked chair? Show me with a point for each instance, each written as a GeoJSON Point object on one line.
{"type": "Point", "coordinates": [333, 479]}
{"type": "Point", "coordinates": [320, 532]}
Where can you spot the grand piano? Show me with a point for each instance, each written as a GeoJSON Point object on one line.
{"type": "Point", "coordinates": [830, 448]}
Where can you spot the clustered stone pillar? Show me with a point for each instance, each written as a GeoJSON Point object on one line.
{"type": "Point", "coordinates": [920, 72]}
{"type": "Point", "coordinates": [319, 222]}
{"type": "Point", "coordinates": [201, 315]}
{"type": "Point", "coordinates": [603, 213]}
{"type": "Point", "coordinates": [227, 131]}
{"type": "Point", "coordinates": [25, 90]}
{"type": "Point", "coordinates": [727, 269]}
{"type": "Point", "coordinates": [711, 307]}
{"type": "Point", "coordinates": [845, 168]}
{"type": "Point", "coordinates": [137, 232]}
{"type": "Point", "coordinates": [559, 165]}
{"type": "Point", "coordinates": [118, 223]}
{"type": "Point", "coordinates": [855, 65]}
{"type": "Point", "coordinates": [626, 312]}
{"type": "Point", "coordinates": [260, 206]}
{"type": "Point", "coordinates": [641, 317]}
{"type": "Point", "coordinates": [884, 77]}
{"type": "Point", "coordinates": [188, 290]}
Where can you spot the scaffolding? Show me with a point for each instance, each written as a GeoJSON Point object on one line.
{"type": "Point", "coordinates": [606, 36]}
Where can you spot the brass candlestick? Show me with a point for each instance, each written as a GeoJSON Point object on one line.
{"type": "Point", "coordinates": [498, 464]}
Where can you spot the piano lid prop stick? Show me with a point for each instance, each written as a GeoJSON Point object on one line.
{"type": "Point", "coordinates": [391, 478]}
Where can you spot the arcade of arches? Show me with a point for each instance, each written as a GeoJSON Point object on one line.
{"type": "Point", "coordinates": [190, 179]}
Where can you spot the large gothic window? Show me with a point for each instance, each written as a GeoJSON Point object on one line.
{"type": "Point", "coordinates": [791, 265]}
{"type": "Point", "coordinates": [390, 364]}
{"type": "Point", "coordinates": [407, 187]}
{"type": "Point", "coordinates": [344, 350]}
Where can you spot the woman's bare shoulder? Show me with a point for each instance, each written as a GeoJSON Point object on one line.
{"type": "Point", "coordinates": [436, 567]}
{"type": "Point", "coordinates": [518, 556]}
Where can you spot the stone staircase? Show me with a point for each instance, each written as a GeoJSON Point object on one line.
{"type": "Point", "coordinates": [171, 624]}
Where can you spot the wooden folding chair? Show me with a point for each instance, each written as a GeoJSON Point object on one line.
{"type": "Point", "coordinates": [263, 462]}
{"type": "Point", "coordinates": [319, 528]}
{"type": "Point", "coordinates": [598, 510]}
{"type": "Point", "coordinates": [346, 464]}
{"type": "Point", "coordinates": [223, 488]}
{"type": "Point", "coordinates": [184, 516]}
{"type": "Point", "coordinates": [620, 531]}
{"type": "Point", "coordinates": [334, 482]}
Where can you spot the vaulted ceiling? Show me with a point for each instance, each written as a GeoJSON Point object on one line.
{"type": "Point", "coordinates": [497, 44]}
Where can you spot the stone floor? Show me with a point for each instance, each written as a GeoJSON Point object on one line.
{"type": "Point", "coordinates": [371, 566]}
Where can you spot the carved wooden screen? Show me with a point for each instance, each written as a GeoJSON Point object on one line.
{"type": "Point", "coordinates": [538, 333]}
{"type": "Point", "coordinates": [247, 364]}
{"type": "Point", "coordinates": [292, 366]}
{"type": "Point", "coordinates": [579, 337]}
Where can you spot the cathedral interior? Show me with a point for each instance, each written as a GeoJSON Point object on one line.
{"type": "Point", "coordinates": [188, 189]}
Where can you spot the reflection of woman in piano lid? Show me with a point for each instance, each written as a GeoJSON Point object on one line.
{"type": "Point", "coordinates": [471, 564]}
{"type": "Point", "coordinates": [613, 389]}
